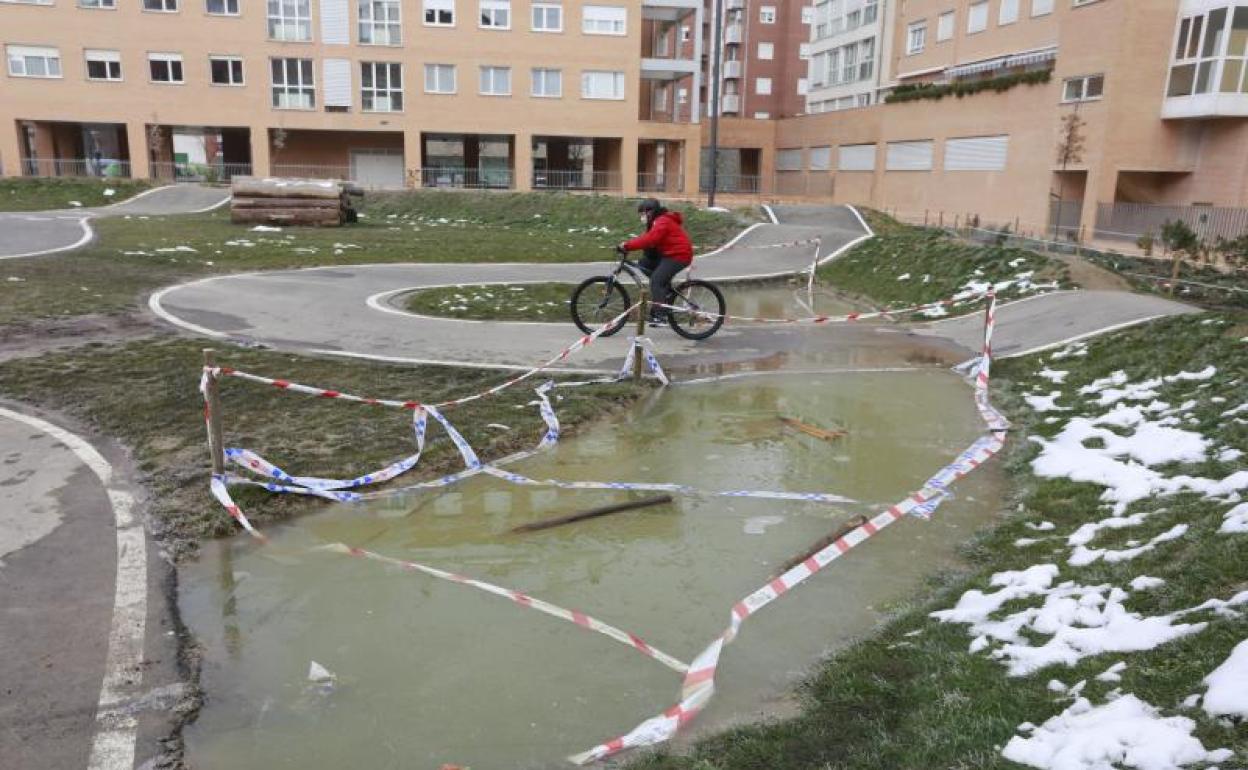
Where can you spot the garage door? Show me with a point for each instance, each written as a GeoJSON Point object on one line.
{"type": "Point", "coordinates": [377, 168]}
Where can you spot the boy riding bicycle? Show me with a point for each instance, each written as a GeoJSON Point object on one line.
{"type": "Point", "coordinates": [667, 251]}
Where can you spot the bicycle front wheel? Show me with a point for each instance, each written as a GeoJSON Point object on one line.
{"type": "Point", "coordinates": [596, 301]}
{"type": "Point", "coordinates": [699, 310]}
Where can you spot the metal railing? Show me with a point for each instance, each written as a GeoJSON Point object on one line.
{"type": "Point", "coordinates": [170, 171]}
{"type": "Point", "coordinates": [311, 171]}
{"type": "Point", "coordinates": [652, 182]}
{"type": "Point", "coordinates": [460, 177]}
{"type": "Point", "coordinates": [746, 184]}
{"type": "Point", "coordinates": [1129, 221]}
{"type": "Point", "coordinates": [576, 180]}
{"type": "Point", "coordinates": [92, 167]}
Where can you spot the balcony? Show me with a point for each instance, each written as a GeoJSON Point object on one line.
{"type": "Point", "coordinates": [734, 34]}
{"type": "Point", "coordinates": [732, 70]}
{"type": "Point", "coordinates": [1209, 66]}
{"type": "Point", "coordinates": [735, 5]}
{"type": "Point", "coordinates": [730, 104]}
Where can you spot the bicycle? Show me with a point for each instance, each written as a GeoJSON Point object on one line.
{"type": "Point", "coordinates": [698, 306]}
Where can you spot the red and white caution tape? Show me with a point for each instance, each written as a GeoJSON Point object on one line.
{"type": "Point", "coordinates": [822, 319]}
{"type": "Point", "coordinates": [699, 682]}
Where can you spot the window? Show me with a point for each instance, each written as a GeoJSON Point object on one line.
{"type": "Point", "coordinates": [103, 65]}
{"type": "Point", "coordinates": [33, 62]}
{"type": "Point", "coordinates": [496, 81]}
{"type": "Point", "coordinates": [909, 156]}
{"type": "Point", "coordinates": [944, 26]}
{"type": "Point", "coordinates": [767, 14]}
{"type": "Point", "coordinates": [294, 87]}
{"type": "Point", "coordinates": [547, 17]}
{"type": "Point", "coordinates": [380, 22]}
{"type": "Point", "coordinates": [808, 14]}
{"type": "Point", "coordinates": [1235, 68]}
{"type": "Point", "coordinates": [789, 160]}
{"type": "Point", "coordinates": [226, 70]}
{"type": "Point", "coordinates": [439, 13]}
{"type": "Point", "coordinates": [977, 18]}
{"type": "Point", "coordinates": [600, 84]}
{"type": "Point", "coordinates": [161, 6]}
{"type": "Point", "coordinates": [547, 83]}
{"type": "Point", "coordinates": [381, 86]}
{"type": "Point", "coordinates": [439, 78]}
{"type": "Point", "coordinates": [916, 38]}
{"type": "Point", "coordinates": [28, 2]}
{"type": "Point", "coordinates": [978, 153]}
{"type": "Point", "coordinates": [762, 86]}
{"type": "Point", "coordinates": [1083, 89]}
{"type": "Point", "coordinates": [767, 51]}
{"type": "Point", "coordinates": [290, 20]}
{"type": "Point", "coordinates": [495, 14]}
{"type": "Point", "coordinates": [686, 34]}
{"type": "Point", "coordinates": [91, 3]}
{"type": "Point", "coordinates": [762, 116]}
{"type": "Point", "coordinates": [870, 11]}
{"type": "Point", "coordinates": [220, 7]}
{"type": "Point", "coordinates": [1201, 65]}
{"type": "Point", "coordinates": [165, 67]}
{"type": "Point", "coordinates": [1041, 7]}
{"type": "Point", "coordinates": [803, 86]}
{"type": "Point", "coordinates": [604, 20]}
{"type": "Point", "coordinates": [803, 51]}
{"type": "Point", "coordinates": [1008, 13]}
{"type": "Point", "coordinates": [820, 158]}
{"type": "Point", "coordinates": [856, 157]}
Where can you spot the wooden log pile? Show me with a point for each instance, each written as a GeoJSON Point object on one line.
{"type": "Point", "coordinates": [279, 201]}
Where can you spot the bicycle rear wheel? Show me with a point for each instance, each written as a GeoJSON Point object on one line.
{"type": "Point", "coordinates": [699, 310]}
{"type": "Point", "coordinates": [596, 301]}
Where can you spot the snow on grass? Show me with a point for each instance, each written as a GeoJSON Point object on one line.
{"type": "Point", "coordinates": [1228, 685]}
{"type": "Point", "coordinates": [1083, 556]}
{"type": "Point", "coordinates": [1045, 403]}
{"type": "Point", "coordinates": [1236, 520]}
{"type": "Point", "coordinates": [1055, 377]}
{"type": "Point", "coordinates": [1125, 732]}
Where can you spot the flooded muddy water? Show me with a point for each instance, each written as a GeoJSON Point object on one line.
{"type": "Point", "coordinates": [427, 672]}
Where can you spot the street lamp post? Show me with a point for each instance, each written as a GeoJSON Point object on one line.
{"type": "Point", "coordinates": [717, 22]}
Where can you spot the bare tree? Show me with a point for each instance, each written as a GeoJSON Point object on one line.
{"type": "Point", "coordinates": [1070, 145]}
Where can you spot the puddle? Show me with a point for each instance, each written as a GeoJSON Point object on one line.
{"type": "Point", "coordinates": [428, 672]}
{"type": "Point", "coordinates": [789, 301]}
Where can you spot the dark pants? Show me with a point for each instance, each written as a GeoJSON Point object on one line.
{"type": "Point", "coordinates": [662, 271]}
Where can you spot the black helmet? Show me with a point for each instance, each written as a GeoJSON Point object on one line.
{"type": "Point", "coordinates": [650, 206]}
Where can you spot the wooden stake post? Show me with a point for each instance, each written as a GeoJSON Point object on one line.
{"type": "Point", "coordinates": [643, 310]}
{"type": "Point", "coordinates": [216, 439]}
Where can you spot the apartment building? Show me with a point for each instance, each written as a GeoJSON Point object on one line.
{"type": "Point", "coordinates": [520, 94]}
{"type": "Point", "coordinates": [851, 44]}
{"type": "Point", "coordinates": [984, 91]}
{"type": "Point", "coordinates": [763, 59]}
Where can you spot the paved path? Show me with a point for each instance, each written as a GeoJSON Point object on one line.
{"type": "Point", "coordinates": [34, 233]}
{"type": "Point", "coordinates": [346, 310]}
{"type": "Point", "coordinates": [89, 668]}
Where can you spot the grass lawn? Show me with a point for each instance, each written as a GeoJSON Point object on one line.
{"type": "Point", "coordinates": [145, 393]}
{"type": "Point", "coordinates": [1220, 289]}
{"type": "Point", "coordinates": [502, 302]}
{"type": "Point", "coordinates": [42, 193]}
{"type": "Point", "coordinates": [906, 265]}
{"type": "Point", "coordinates": [914, 696]}
{"type": "Point", "coordinates": [135, 255]}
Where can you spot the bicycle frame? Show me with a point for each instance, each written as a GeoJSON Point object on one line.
{"type": "Point", "coordinates": [641, 279]}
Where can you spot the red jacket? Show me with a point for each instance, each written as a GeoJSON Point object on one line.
{"type": "Point", "coordinates": [666, 235]}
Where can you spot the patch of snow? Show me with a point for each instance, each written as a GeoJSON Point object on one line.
{"type": "Point", "coordinates": [1055, 377]}
{"type": "Point", "coordinates": [1235, 521]}
{"type": "Point", "coordinates": [15, 279]}
{"type": "Point", "coordinates": [936, 311]}
{"type": "Point", "coordinates": [903, 277]}
{"type": "Point", "coordinates": [1046, 403]}
{"type": "Point", "coordinates": [1083, 556]}
{"type": "Point", "coordinates": [1044, 526]}
{"type": "Point", "coordinates": [1230, 455]}
{"type": "Point", "coordinates": [1087, 532]}
{"type": "Point", "coordinates": [1146, 583]}
{"type": "Point", "coordinates": [1228, 685]}
{"type": "Point", "coordinates": [1113, 673]}
{"type": "Point", "coordinates": [1023, 542]}
{"type": "Point", "coordinates": [1125, 732]}
{"type": "Point", "coordinates": [1204, 374]}
{"type": "Point", "coordinates": [265, 229]}
{"type": "Point", "coordinates": [109, 192]}
{"type": "Point", "coordinates": [76, 204]}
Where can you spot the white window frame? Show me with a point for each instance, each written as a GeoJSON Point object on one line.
{"type": "Point", "coordinates": [26, 2]}
{"type": "Point", "coordinates": [1008, 13]}
{"type": "Point", "coordinates": [166, 6]}
{"type": "Point", "coordinates": [107, 57]}
{"type": "Point", "coordinates": [916, 37]}
{"type": "Point", "coordinates": [437, 71]}
{"type": "Point", "coordinates": [225, 8]}
{"type": "Point", "coordinates": [946, 23]}
{"type": "Point", "coordinates": [803, 86]}
{"type": "Point", "coordinates": [378, 93]}
{"type": "Point", "coordinates": [1041, 8]}
{"type": "Point", "coordinates": [288, 29]}
{"type": "Point", "coordinates": [94, 5]}
{"type": "Point", "coordinates": [231, 60]}
{"type": "Point", "coordinates": [491, 9]}
{"type": "Point", "coordinates": [977, 17]}
{"type": "Point", "coordinates": [1084, 81]}
{"type": "Point", "coordinates": [49, 54]}
{"type": "Point", "coordinates": [437, 8]}
{"type": "Point", "coordinates": [588, 77]}
{"type": "Point", "coordinates": [767, 14]}
{"type": "Point", "coordinates": [762, 86]}
{"type": "Point", "coordinates": [544, 9]}
{"type": "Point", "coordinates": [538, 75]}
{"type": "Point", "coordinates": [170, 59]}
{"type": "Point", "coordinates": [389, 28]}
{"type": "Point", "coordinates": [302, 87]}
{"type": "Point", "coordinates": [803, 51]}
{"type": "Point", "coordinates": [769, 48]}
{"type": "Point", "coordinates": [606, 22]}
{"type": "Point", "coordinates": [489, 72]}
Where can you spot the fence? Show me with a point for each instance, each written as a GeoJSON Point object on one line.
{"type": "Point", "coordinates": [650, 182]}
{"type": "Point", "coordinates": [93, 167]}
{"type": "Point", "coordinates": [1129, 221]}
{"type": "Point", "coordinates": [467, 178]}
{"type": "Point", "coordinates": [167, 171]}
{"type": "Point", "coordinates": [576, 180]}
